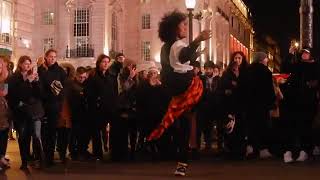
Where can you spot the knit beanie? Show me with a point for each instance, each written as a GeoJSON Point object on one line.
{"type": "Point", "coordinates": [259, 56]}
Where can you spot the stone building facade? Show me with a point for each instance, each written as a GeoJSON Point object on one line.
{"type": "Point", "coordinates": [82, 29]}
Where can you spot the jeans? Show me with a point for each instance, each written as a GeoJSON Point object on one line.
{"type": "Point", "coordinates": [26, 129]}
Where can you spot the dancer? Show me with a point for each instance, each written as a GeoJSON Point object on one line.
{"type": "Point", "coordinates": [177, 75]}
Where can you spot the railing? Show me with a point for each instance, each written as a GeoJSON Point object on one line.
{"type": "Point", "coordinates": [5, 38]}
{"type": "Point", "coordinates": [80, 51]}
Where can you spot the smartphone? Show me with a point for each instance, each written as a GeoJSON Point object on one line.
{"type": "Point", "coordinates": [35, 69]}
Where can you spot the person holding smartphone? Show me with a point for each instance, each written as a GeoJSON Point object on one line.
{"type": "Point", "coordinates": [4, 114]}
{"type": "Point", "coordinates": [24, 98]}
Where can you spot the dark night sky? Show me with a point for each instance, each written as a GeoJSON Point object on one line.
{"type": "Point", "coordinates": [280, 19]}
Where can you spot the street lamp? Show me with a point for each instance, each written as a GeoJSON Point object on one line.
{"type": "Point", "coordinates": [190, 4]}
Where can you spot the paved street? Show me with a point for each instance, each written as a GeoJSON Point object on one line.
{"type": "Point", "coordinates": [204, 169]}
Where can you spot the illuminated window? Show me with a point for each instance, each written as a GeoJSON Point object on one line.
{"type": "Point", "coordinates": [6, 20]}
{"type": "Point", "coordinates": [146, 21]}
{"type": "Point", "coordinates": [48, 18]}
{"type": "Point", "coordinates": [81, 33]}
{"type": "Point", "coordinates": [48, 43]}
{"type": "Point", "coordinates": [146, 49]}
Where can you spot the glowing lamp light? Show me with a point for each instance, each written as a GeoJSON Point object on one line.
{"type": "Point", "coordinates": [296, 44]}
{"type": "Point", "coordinates": [5, 25]}
{"type": "Point", "coordinates": [157, 57]}
{"type": "Point", "coordinates": [190, 4]}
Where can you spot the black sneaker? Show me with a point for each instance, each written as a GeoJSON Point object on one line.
{"type": "Point", "coordinates": [181, 169]}
{"type": "Point", "coordinates": [24, 166]}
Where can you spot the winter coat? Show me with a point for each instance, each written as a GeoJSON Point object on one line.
{"type": "Point", "coordinates": [24, 98]}
{"type": "Point", "coordinates": [102, 98]}
{"type": "Point", "coordinates": [52, 102]}
{"type": "Point", "coordinates": [228, 95]}
{"type": "Point", "coordinates": [113, 73]}
{"type": "Point", "coordinates": [65, 119]}
{"type": "Point", "coordinates": [78, 102]}
{"type": "Point", "coordinates": [300, 89]}
{"type": "Point", "coordinates": [260, 87]}
{"type": "Point", "coordinates": [152, 104]}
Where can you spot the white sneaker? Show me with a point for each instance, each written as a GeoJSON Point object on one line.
{"type": "Point", "coordinates": [249, 150]}
{"type": "Point", "coordinates": [265, 154]}
{"type": "Point", "coordinates": [287, 157]}
{"type": "Point", "coordinates": [303, 156]}
{"type": "Point", "coordinates": [181, 169]}
{"type": "Point", "coordinates": [316, 151]}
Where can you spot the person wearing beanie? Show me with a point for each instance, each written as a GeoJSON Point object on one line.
{"type": "Point", "coordinates": [261, 101]}
{"type": "Point", "coordinates": [300, 102]}
{"type": "Point", "coordinates": [260, 57]}
{"type": "Point", "coordinates": [115, 69]}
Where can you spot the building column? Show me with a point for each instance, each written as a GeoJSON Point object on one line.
{"type": "Point", "coordinates": [306, 23]}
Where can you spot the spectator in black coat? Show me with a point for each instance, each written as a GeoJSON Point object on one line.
{"type": "Point", "coordinates": [207, 107]}
{"type": "Point", "coordinates": [52, 78]}
{"type": "Point", "coordinates": [300, 102]}
{"type": "Point", "coordinates": [102, 102]}
{"type": "Point", "coordinates": [25, 100]}
{"type": "Point", "coordinates": [261, 101]}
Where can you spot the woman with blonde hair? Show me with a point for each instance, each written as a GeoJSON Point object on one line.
{"type": "Point", "coordinates": [4, 114]}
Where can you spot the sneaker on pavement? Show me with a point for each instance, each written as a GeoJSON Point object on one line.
{"type": "Point", "coordinates": [316, 151]}
{"type": "Point", "coordinates": [303, 156]}
{"type": "Point", "coordinates": [287, 157]}
{"type": "Point", "coordinates": [181, 169]}
{"type": "Point", "coordinates": [249, 150]}
{"type": "Point", "coordinates": [265, 154]}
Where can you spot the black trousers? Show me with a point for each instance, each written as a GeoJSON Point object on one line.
{"type": "Point", "coordinates": [119, 139]}
{"type": "Point", "coordinates": [50, 135]}
{"type": "Point", "coordinates": [76, 143]}
{"type": "Point", "coordinates": [181, 134]}
{"type": "Point", "coordinates": [235, 141]}
{"type": "Point", "coordinates": [63, 141]}
{"type": "Point", "coordinates": [3, 142]}
{"type": "Point", "coordinates": [26, 129]}
{"type": "Point", "coordinates": [298, 128]}
{"type": "Point", "coordinates": [259, 125]}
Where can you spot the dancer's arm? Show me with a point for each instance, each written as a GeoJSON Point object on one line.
{"type": "Point", "coordinates": [190, 53]}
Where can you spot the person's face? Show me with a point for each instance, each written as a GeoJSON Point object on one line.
{"type": "Point", "coordinates": [51, 58]}
{"type": "Point", "coordinates": [121, 59]}
{"type": "Point", "coordinates": [265, 61]}
{"type": "Point", "coordinates": [183, 29]}
{"type": "Point", "coordinates": [305, 56]}
{"type": "Point", "coordinates": [104, 65]}
{"type": "Point", "coordinates": [216, 72]}
{"type": "Point", "coordinates": [153, 74]}
{"type": "Point", "coordinates": [81, 77]}
{"type": "Point", "coordinates": [208, 71]}
{"type": "Point", "coordinates": [196, 70]}
{"type": "Point", "coordinates": [25, 66]}
{"type": "Point", "coordinates": [238, 59]}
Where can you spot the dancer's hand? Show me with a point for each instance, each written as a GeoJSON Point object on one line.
{"type": "Point", "coordinates": [204, 35]}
